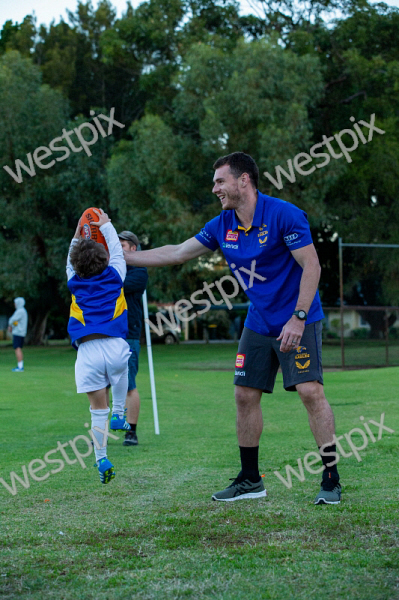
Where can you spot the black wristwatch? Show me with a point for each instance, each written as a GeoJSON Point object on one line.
{"type": "Point", "coordinates": [301, 314]}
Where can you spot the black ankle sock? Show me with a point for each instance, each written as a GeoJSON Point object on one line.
{"type": "Point", "coordinates": [329, 459]}
{"type": "Point", "coordinates": [249, 463]}
{"type": "Point", "coordinates": [133, 426]}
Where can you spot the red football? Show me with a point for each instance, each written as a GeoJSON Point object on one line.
{"type": "Point", "coordinates": [90, 231]}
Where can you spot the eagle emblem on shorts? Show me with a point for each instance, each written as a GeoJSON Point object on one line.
{"type": "Point", "coordinates": [300, 349]}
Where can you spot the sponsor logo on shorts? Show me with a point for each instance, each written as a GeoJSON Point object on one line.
{"type": "Point", "coordinates": [241, 373]}
{"type": "Point", "coordinates": [304, 366]}
{"type": "Point", "coordinates": [231, 236]}
{"type": "Point", "coordinates": [240, 360]}
{"type": "Point", "coordinates": [300, 348]}
{"type": "Point", "coordinates": [86, 231]}
{"type": "Point", "coordinates": [301, 354]}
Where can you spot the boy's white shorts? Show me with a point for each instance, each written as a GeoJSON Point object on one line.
{"type": "Point", "coordinates": [100, 362]}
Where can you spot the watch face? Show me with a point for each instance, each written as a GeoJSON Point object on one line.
{"type": "Point", "coordinates": [302, 314]}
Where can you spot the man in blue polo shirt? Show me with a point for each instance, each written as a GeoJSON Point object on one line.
{"type": "Point", "coordinates": [268, 246]}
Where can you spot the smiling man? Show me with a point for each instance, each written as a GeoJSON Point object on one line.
{"type": "Point", "coordinates": [283, 325]}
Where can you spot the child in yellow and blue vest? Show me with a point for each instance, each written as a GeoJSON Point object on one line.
{"type": "Point", "coordinates": [98, 328]}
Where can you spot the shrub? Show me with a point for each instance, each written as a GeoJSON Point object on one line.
{"type": "Point", "coordinates": [394, 333]}
{"type": "Point", "coordinates": [361, 333]}
{"type": "Point", "coordinates": [330, 335]}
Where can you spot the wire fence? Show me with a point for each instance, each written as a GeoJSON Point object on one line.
{"type": "Point", "coordinates": [347, 347]}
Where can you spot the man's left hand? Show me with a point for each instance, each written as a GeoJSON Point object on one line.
{"type": "Point", "coordinates": [291, 334]}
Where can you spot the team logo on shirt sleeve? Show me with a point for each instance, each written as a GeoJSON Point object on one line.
{"type": "Point", "coordinates": [205, 235]}
{"type": "Point", "coordinates": [231, 236]}
{"type": "Point", "coordinates": [291, 239]}
{"type": "Point", "coordinates": [240, 360]}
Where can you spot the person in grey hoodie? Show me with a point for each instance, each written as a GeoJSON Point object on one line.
{"type": "Point", "coordinates": [18, 324]}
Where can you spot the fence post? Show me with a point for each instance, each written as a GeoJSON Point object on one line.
{"type": "Point", "coordinates": [341, 297]}
{"type": "Point", "coordinates": [386, 339]}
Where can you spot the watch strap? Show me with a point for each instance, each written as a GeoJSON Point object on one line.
{"type": "Point", "coordinates": [301, 314]}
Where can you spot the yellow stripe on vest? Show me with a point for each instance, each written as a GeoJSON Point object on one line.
{"type": "Point", "coordinates": [76, 312]}
{"type": "Point", "coordinates": [120, 305]}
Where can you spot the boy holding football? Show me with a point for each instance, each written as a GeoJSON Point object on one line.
{"type": "Point", "coordinates": [98, 328]}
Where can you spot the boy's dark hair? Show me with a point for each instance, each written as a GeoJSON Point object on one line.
{"type": "Point", "coordinates": [240, 163]}
{"type": "Point", "coordinates": [88, 258]}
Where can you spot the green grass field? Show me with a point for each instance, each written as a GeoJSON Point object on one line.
{"type": "Point", "coordinates": [154, 532]}
{"type": "Point", "coordinates": [361, 353]}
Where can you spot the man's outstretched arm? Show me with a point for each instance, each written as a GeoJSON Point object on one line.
{"type": "Point", "coordinates": [167, 255]}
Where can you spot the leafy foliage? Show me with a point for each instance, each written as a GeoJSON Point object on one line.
{"type": "Point", "coordinates": [192, 80]}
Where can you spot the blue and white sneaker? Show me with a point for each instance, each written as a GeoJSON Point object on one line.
{"type": "Point", "coordinates": [106, 470]}
{"type": "Point", "coordinates": [118, 423]}
{"type": "Point", "coordinates": [17, 370]}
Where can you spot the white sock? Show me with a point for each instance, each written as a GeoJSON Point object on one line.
{"type": "Point", "coordinates": [20, 364]}
{"type": "Point", "coordinates": [99, 419]}
{"type": "Point", "coordinates": [119, 393]}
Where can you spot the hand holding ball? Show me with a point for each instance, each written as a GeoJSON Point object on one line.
{"type": "Point", "coordinates": [90, 224]}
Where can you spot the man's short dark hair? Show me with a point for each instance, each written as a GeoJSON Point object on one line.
{"type": "Point", "coordinates": [88, 258]}
{"type": "Point", "coordinates": [240, 163]}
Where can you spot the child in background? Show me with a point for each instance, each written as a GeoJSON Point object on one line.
{"type": "Point", "coordinates": [18, 325]}
{"type": "Point", "coordinates": [98, 328]}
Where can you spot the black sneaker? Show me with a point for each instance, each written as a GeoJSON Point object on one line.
{"type": "Point", "coordinates": [130, 439]}
{"type": "Point", "coordinates": [241, 489]}
{"type": "Point", "coordinates": [330, 491]}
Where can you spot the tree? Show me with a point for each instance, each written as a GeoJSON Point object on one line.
{"type": "Point", "coordinates": [18, 37]}
{"type": "Point", "coordinates": [256, 99]}
{"type": "Point", "coordinates": [39, 215]}
{"type": "Point", "coordinates": [150, 193]}
{"type": "Point", "coordinates": [30, 116]}
{"type": "Point", "coordinates": [193, 80]}
{"type": "Point", "coordinates": [361, 60]}
{"type": "Point", "coordinates": [248, 99]}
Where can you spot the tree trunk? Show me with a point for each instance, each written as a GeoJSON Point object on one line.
{"type": "Point", "coordinates": [376, 320]}
{"type": "Point", "coordinates": [36, 334]}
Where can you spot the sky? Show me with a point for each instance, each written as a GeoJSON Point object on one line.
{"type": "Point", "coordinates": [47, 10]}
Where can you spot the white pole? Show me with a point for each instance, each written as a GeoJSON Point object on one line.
{"type": "Point", "coordinates": [150, 363]}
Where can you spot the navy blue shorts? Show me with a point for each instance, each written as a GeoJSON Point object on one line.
{"type": "Point", "coordinates": [18, 341]}
{"type": "Point", "coordinates": [133, 363]}
{"type": "Point", "coordinates": [259, 358]}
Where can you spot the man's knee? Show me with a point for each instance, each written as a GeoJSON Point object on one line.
{"type": "Point", "coordinates": [311, 393]}
{"type": "Point", "coordinates": [246, 396]}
